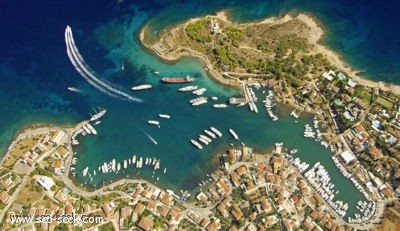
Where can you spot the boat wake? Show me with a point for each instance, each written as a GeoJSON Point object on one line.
{"type": "Point", "coordinates": [149, 136]}
{"type": "Point", "coordinates": [88, 74]}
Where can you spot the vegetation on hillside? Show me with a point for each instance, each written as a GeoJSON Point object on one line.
{"type": "Point", "coordinates": [198, 30]}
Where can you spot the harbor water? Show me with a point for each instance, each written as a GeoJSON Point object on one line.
{"type": "Point", "coordinates": [35, 72]}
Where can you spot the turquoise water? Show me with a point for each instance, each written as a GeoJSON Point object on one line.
{"type": "Point", "coordinates": [35, 73]}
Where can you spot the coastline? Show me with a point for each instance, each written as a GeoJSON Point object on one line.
{"type": "Point", "coordinates": [185, 52]}
{"type": "Point", "coordinates": [317, 34]}
{"type": "Point", "coordinates": [29, 128]}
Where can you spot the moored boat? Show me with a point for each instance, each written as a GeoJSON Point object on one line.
{"type": "Point", "coordinates": [216, 131]}
{"type": "Point", "coordinates": [85, 171]}
{"type": "Point", "coordinates": [178, 80]}
{"type": "Point", "coordinates": [205, 137]}
{"type": "Point", "coordinates": [220, 105]}
{"type": "Point", "coordinates": [196, 144]}
{"type": "Point", "coordinates": [209, 133]}
{"type": "Point", "coordinates": [141, 87]}
{"type": "Point", "coordinates": [98, 114]}
{"type": "Point", "coordinates": [233, 133]}
{"type": "Point", "coordinates": [199, 91]}
{"type": "Point", "coordinates": [198, 101]}
{"type": "Point", "coordinates": [164, 116]}
{"type": "Point", "coordinates": [188, 88]}
{"type": "Point", "coordinates": [154, 122]}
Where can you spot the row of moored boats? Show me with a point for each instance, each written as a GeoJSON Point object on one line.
{"type": "Point", "coordinates": [115, 167]}
{"type": "Point", "coordinates": [315, 133]}
{"type": "Point", "coordinates": [156, 122]}
{"type": "Point", "coordinates": [201, 99]}
{"type": "Point", "coordinates": [210, 134]}
{"type": "Point", "coordinates": [251, 97]}
{"type": "Point", "coordinates": [207, 137]}
{"type": "Point", "coordinates": [367, 209]}
{"type": "Point", "coordinates": [269, 104]}
{"type": "Point", "coordinates": [319, 178]}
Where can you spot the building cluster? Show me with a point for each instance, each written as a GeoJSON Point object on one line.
{"type": "Point", "coordinates": [265, 194]}
{"type": "Point", "coordinates": [368, 122]}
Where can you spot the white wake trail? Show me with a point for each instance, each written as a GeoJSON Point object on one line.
{"type": "Point", "coordinates": [85, 71]}
{"type": "Point", "coordinates": [72, 57]}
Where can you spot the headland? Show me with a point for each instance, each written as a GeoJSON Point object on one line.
{"type": "Point", "coordinates": [250, 190]}
{"type": "Point", "coordinates": [169, 47]}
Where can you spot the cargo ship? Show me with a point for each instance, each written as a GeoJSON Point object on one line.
{"type": "Point", "coordinates": [187, 79]}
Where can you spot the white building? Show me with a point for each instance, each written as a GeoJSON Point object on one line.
{"type": "Point", "coordinates": [347, 156]}
{"type": "Point", "coordinates": [329, 75]}
{"type": "Point", "coordinates": [58, 137]}
{"type": "Point", "coordinates": [352, 83]}
{"type": "Point", "coordinates": [46, 182]}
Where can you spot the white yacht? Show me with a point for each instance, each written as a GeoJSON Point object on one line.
{"type": "Point", "coordinates": [216, 131]}
{"type": "Point", "coordinates": [220, 105]}
{"type": "Point", "coordinates": [196, 144]}
{"type": "Point", "coordinates": [142, 87]}
{"type": "Point", "coordinates": [164, 116]}
{"type": "Point", "coordinates": [233, 133]}
{"type": "Point", "coordinates": [188, 88]}
{"type": "Point", "coordinates": [154, 122]}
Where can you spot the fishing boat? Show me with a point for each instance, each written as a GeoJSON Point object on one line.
{"type": "Point", "coordinates": [125, 164]}
{"type": "Point", "coordinates": [177, 80]}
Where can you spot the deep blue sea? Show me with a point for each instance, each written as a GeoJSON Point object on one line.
{"type": "Point", "coordinates": [35, 72]}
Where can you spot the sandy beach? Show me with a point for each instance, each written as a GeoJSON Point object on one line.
{"type": "Point", "coordinates": [317, 33]}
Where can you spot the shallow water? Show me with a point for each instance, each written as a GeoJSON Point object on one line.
{"type": "Point", "coordinates": [35, 73]}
